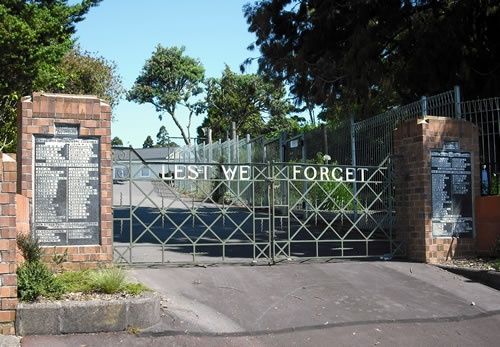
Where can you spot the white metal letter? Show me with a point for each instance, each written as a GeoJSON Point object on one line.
{"type": "Point", "coordinates": [245, 173]}
{"type": "Point", "coordinates": [231, 171]}
{"type": "Point", "coordinates": [314, 171]}
{"type": "Point", "coordinates": [192, 172]}
{"type": "Point", "coordinates": [323, 173]}
{"type": "Point", "coordinates": [363, 170]}
{"type": "Point", "coordinates": [335, 177]}
{"type": "Point", "coordinates": [296, 170]}
{"type": "Point", "coordinates": [178, 170]}
{"type": "Point", "coordinates": [350, 174]}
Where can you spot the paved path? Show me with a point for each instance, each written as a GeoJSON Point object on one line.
{"type": "Point", "coordinates": [345, 304]}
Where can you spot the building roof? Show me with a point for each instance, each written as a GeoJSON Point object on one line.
{"type": "Point", "coordinates": [156, 153]}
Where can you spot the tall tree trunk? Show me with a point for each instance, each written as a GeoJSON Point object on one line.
{"type": "Point", "coordinates": [187, 140]}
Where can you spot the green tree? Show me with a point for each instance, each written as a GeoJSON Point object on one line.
{"type": "Point", "coordinates": [365, 56]}
{"type": "Point", "coordinates": [246, 99]}
{"type": "Point", "coordinates": [162, 138]}
{"type": "Point", "coordinates": [169, 79]}
{"type": "Point", "coordinates": [85, 73]}
{"type": "Point", "coordinates": [116, 141]}
{"type": "Point", "coordinates": [148, 143]}
{"type": "Point", "coordinates": [8, 123]}
{"type": "Point", "coordinates": [34, 37]}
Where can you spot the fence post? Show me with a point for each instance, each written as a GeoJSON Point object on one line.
{"type": "Point", "coordinates": [270, 197]}
{"type": "Point", "coordinates": [353, 161]}
{"type": "Point", "coordinates": [236, 141]}
{"type": "Point", "coordinates": [249, 161]}
{"type": "Point", "coordinates": [458, 108]}
{"type": "Point", "coordinates": [423, 101]}
{"type": "Point", "coordinates": [249, 149]}
{"type": "Point", "coordinates": [325, 139]}
{"type": "Point", "coordinates": [282, 143]}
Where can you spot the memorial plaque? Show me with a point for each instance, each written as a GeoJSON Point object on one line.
{"type": "Point", "coordinates": [451, 193]}
{"type": "Point", "coordinates": [66, 189]}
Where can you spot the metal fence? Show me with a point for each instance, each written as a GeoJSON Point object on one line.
{"type": "Point", "coordinates": [366, 142]}
{"type": "Point", "coordinates": [485, 114]}
{"type": "Point", "coordinates": [369, 141]}
{"type": "Point", "coordinates": [277, 212]}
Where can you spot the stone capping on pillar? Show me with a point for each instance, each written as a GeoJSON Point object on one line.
{"type": "Point", "coordinates": [413, 142]}
{"type": "Point", "coordinates": [38, 115]}
{"type": "Point", "coordinates": [8, 277]}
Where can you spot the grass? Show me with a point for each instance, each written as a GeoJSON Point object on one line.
{"type": "Point", "coordinates": [108, 281]}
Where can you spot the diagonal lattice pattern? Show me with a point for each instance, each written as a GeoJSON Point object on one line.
{"type": "Point", "coordinates": [268, 215]}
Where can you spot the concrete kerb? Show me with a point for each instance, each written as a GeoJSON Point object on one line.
{"type": "Point", "coordinates": [66, 317]}
{"type": "Point", "coordinates": [489, 278]}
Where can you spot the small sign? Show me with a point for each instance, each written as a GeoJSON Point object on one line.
{"type": "Point", "coordinates": [68, 130]}
{"type": "Point", "coordinates": [451, 146]}
{"type": "Point", "coordinates": [294, 143]}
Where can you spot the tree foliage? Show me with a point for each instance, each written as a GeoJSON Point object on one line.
{"type": "Point", "coordinates": [169, 79]}
{"type": "Point", "coordinates": [116, 141]}
{"type": "Point", "coordinates": [256, 106]}
{"type": "Point", "coordinates": [82, 72]}
{"type": "Point", "coordinates": [34, 37]}
{"type": "Point", "coordinates": [367, 55]}
{"type": "Point", "coordinates": [163, 138]}
{"type": "Point", "coordinates": [148, 143]}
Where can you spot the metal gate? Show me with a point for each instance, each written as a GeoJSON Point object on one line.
{"type": "Point", "coordinates": [171, 211]}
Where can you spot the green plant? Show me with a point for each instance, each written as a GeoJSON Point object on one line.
{"type": "Point", "coordinates": [331, 195]}
{"type": "Point", "coordinates": [495, 248]}
{"type": "Point", "coordinates": [496, 265]}
{"type": "Point", "coordinates": [495, 185]}
{"type": "Point", "coordinates": [59, 259]}
{"type": "Point", "coordinates": [134, 288]}
{"type": "Point", "coordinates": [30, 247]}
{"type": "Point", "coordinates": [108, 281]}
{"type": "Point", "coordinates": [219, 189]}
{"type": "Point", "coordinates": [34, 279]}
{"type": "Point", "coordinates": [76, 281]}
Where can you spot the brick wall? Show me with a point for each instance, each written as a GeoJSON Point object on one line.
{"type": "Point", "coordinates": [37, 116]}
{"type": "Point", "coordinates": [8, 280]}
{"type": "Point", "coordinates": [488, 224]}
{"type": "Point", "coordinates": [413, 142]}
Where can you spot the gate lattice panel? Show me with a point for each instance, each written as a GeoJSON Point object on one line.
{"type": "Point", "coordinates": [265, 215]}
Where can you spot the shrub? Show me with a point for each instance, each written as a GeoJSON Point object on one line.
{"type": "Point", "coordinates": [331, 196]}
{"type": "Point", "coordinates": [108, 281]}
{"type": "Point", "coordinates": [219, 191]}
{"type": "Point", "coordinates": [30, 248]}
{"type": "Point", "coordinates": [496, 265]}
{"type": "Point", "coordinates": [34, 280]}
{"type": "Point", "coordinates": [76, 281]}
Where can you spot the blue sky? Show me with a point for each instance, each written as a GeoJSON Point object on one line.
{"type": "Point", "coordinates": [127, 31]}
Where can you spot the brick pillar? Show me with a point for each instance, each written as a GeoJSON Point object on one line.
{"type": "Point", "coordinates": [39, 115]}
{"type": "Point", "coordinates": [8, 279]}
{"type": "Point", "coordinates": [413, 142]}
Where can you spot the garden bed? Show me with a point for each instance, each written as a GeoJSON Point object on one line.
{"type": "Point", "coordinates": [482, 270]}
{"type": "Point", "coordinates": [100, 314]}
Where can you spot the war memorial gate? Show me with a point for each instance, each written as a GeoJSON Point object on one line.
{"type": "Point", "coordinates": [403, 184]}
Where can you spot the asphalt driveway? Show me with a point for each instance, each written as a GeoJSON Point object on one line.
{"type": "Point", "coordinates": [316, 304]}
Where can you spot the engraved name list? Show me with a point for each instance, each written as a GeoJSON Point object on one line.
{"type": "Point", "coordinates": [66, 188]}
